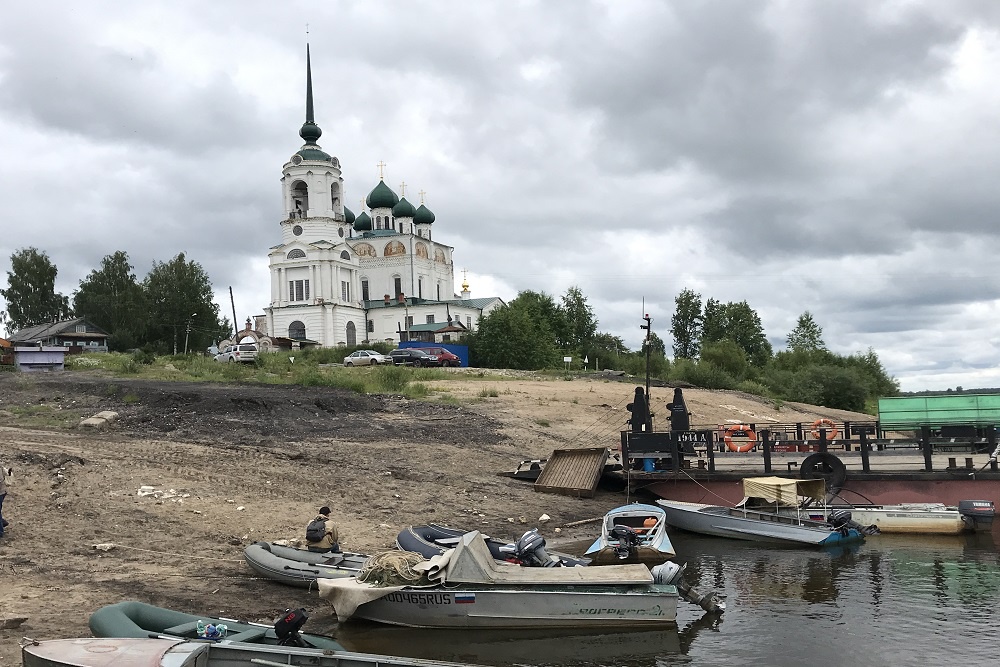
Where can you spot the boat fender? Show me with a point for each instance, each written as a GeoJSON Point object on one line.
{"type": "Point", "coordinates": [740, 445]}
{"type": "Point", "coordinates": [826, 466]}
{"type": "Point", "coordinates": [672, 574]}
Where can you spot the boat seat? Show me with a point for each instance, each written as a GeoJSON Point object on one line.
{"type": "Point", "coordinates": [252, 635]}
{"type": "Point", "coordinates": [182, 630]}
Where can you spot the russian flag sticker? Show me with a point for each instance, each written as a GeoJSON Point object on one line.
{"type": "Point", "coordinates": [465, 598]}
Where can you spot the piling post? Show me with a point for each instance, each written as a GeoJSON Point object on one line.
{"type": "Point", "coordinates": [866, 448]}
{"type": "Point", "coordinates": [925, 445]}
{"type": "Point", "coordinates": [765, 441]}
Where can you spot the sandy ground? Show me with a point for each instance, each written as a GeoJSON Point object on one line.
{"type": "Point", "coordinates": [234, 464]}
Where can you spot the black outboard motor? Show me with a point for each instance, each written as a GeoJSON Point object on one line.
{"type": "Point", "coordinates": [842, 522]}
{"type": "Point", "coordinates": [287, 628]}
{"type": "Point", "coordinates": [628, 541]}
{"type": "Point", "coordinates": [530, 549]}
{"type": "Point", "coordinates": [977, 514]}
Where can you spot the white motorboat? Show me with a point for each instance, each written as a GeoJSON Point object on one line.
{"type": "Point", "coordinates": [779, 515]}
{"type": "Point", "coordinates": [918, 518]}
{"type": "Point", "coordinates": [466, 587]}
{"type": "Point", "coordinates": [635, 533]}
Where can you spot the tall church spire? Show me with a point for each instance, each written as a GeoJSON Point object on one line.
{"type": "Point", "coordinates": [310, 131]}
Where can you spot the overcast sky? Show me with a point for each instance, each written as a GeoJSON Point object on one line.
{"type": "Point", "coordinates": [836, 157]}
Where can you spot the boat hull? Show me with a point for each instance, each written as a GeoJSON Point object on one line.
{"type": "Point", "coordinates": [653, 546]}
{"type": "Point", "coordinates": [298, 567]}
{"type": "Point", "coordinates": [480, 607]}
{"type": "Point", "coordinates": [721, 521]}
{"type": "Point", "coordinates": [173, 653]}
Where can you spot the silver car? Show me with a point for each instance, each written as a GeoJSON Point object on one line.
{"type": "Point", "coordinates": [238, 352]}
{"type": "Point", "coordinates": [366, 358]}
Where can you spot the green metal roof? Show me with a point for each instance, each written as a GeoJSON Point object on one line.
{"type": "Point", "coordinates": [314, 153]}
{"type": "Point", "coordinates": [349, 215]}
{"type": "Point", "coordinates": [967, 409]}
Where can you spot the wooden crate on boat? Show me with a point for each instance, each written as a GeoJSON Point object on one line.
{"type": "Point", "coordinates": [573, 472]}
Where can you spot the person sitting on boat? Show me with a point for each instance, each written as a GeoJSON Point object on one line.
{"type": "Point", "coordinates": [321, 533]}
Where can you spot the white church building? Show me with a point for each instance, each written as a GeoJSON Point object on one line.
{"type": "Point", "coordinates": [341, 279]}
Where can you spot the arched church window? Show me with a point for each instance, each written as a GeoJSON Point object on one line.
{"type": "Point", "coordinates": [296, 254]}
{"type": "Point", "coordinates": [378, 222]}
{"type": "Point", "coordinates": [352, 334]}
{"type": "Point", "coordinates": [344, 254]}
{"type": "Point", "coordinates": [297, 330]}
{"type": "Point", "coordinates": [300, 199]}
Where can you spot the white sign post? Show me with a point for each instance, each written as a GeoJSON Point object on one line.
{"type": "Point", "coordinates": [567, 361]}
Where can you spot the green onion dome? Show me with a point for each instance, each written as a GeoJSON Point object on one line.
{"type": "Point", "coordinates": [423, 216]}
{"type": "Point", "coordinates": [403, 209]}
{"type": "Point", "coordinates": [348, 216]}
{"type": "Point", "coordinates": [382, 197]}
{"type": "Point", "coordinates": [363, 223]}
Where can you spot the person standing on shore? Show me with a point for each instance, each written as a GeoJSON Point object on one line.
{"type": "Point", "coordinates": [5, 473]}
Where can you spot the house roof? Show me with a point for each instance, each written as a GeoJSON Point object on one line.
{"type": "Point", "coordinates": [64, 328]}
{"type": "Point", "coordinates": [437, 327]}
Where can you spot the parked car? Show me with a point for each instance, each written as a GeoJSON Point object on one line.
{"type": "Point", "coordinates": [445, 358]}
{"type": "Point", "coordinates": [242, 352]}
{"type": "Point", "coordinates": [411, 356]}
{"type": "Point", "coordinates": [366, 358]}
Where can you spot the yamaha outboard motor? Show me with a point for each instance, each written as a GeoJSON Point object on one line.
{"type": "Point", "coordinates": [288, 626]}
{"type": "Point", "coordinates": [627, 539]}
{"type": "Point", "coordinates": [672, 574]}
{"type": "Point", "coordinates": [977, 514]}
{"type": "Point", "coordinates": [530, 549]}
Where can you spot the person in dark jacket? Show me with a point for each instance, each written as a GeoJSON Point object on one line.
{"type": "Point", "coordinates": [5, 472]}
{"type": "Point", "coordinates": [330, 541]}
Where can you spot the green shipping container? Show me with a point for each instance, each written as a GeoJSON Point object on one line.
{"type": "Point", "coordinates": [912, 411]}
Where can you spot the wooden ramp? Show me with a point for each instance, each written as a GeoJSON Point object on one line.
{"type": "Point", "coordinates": [573, 472]}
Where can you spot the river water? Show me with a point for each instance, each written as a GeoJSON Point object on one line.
{"type": "Point", "coordinates": [894, 600]}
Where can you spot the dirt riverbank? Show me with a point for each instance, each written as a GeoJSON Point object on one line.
{"type": "Point", "coordinates": [229, 465]}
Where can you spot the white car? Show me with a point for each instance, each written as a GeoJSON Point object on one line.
{"type": "Point", "coordinates": [366, 358]}
{"type": "Point", "coordinates": [241, 352]}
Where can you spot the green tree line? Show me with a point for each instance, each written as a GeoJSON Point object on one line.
{"type": "Point", "coordinates": [171, 306]}
{"type": "Point", "coordinates": [715, 346]}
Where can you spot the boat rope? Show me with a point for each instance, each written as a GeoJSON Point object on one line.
{"type": "Point", "coordinates": [703, 487]}
{"type": "Point", "coordinates": [171, 553]}
{"type": "Point", "coordinates": [598, 430]}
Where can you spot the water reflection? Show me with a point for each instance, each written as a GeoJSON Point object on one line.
{"type": "Point", "coordinates": [893, 600]}
{"type": "Point", "coordinates": [552, 647]}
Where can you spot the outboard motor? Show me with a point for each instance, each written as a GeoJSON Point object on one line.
{"type": "Point", "coordinates": [672, 574]}
{"type": "Point", "coordinates": [530, 549]}
{"type": "Point", "coordinates": [627, 539]}
{"type": "Point", "coordinates": [287, 627]}
{"type": "Point", "coordinates": [977, 514]}
{"type": "Point", "coordinates": [842, 521]}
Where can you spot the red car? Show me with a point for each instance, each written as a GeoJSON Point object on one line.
{"type": "Point", "coordinates": [445, 358]}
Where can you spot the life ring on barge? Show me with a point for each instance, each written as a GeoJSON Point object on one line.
{"type": "Point", "coordinates": [740, 445]}
{"type": "Point", "coordinates": [825, 466]}
{"type": "Point", "coordinates": [831, 428]}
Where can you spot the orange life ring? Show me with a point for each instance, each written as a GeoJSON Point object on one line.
{"type": "Point", "coordinates": [831, 428]}
{"type": "Point", "coordinates": [743, 445]}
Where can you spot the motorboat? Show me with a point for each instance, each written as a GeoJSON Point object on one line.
{"type": "Point", "coordinates": [433, 540]}
{"type": "Point", "coordinates": [140, 620]}
{"type": "Point", "coordinates": [772, 511]}
{"type": "Point", "coordinates": [467, 588]}
{"type": "Point", "coordinates": [634, 533]}
{"type": "Point", "coordinates": [300, 567]}
{"type": "Point", "coordinates": [917, 518]}
{"type": "Point", "coordinates": [174, 652]}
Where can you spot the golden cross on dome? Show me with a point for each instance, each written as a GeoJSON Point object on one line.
{"type": "Point", "coordinates": [362, 200]}
{"type": "Point", "coordinates": [465, 280]}
{"type": "Point", "coordinates": [421, 193]}
{"type": "Point", "coordinates": [402, 188]}
{"type": "Point", "coordinates": [381, 166]}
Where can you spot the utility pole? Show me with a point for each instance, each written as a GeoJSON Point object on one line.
{"type": "Point", "coordinates": [187, 333]}
{"type": "Point", "coordinates": [648, 327]}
